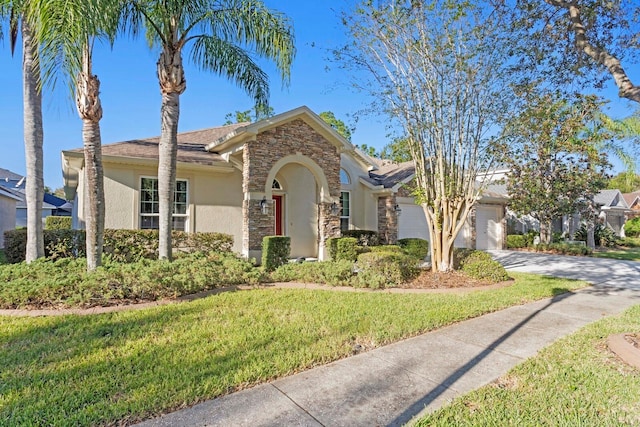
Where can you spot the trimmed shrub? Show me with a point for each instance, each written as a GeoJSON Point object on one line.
{"type": "Point", "coordinates": [333, 273]}
{"type": "Point", "coordinates": [632, 227]}
{"type": "Point", "coordinates": [382, 269]}
{"type": "Point", "coordinates": [479, 265]}
{"type": "Point", "coordinates": [364, 237]}
{"type": "Point", "coordinates": [343, 248]}
{"type": "Point", "coordinates": [119, 245]}
{"type": "Point", "coordinates": [516, 241]}
{"type": "Point", "coordinates": [387, 249]}
{"type": "Point", "coordinates": [275, 251]}
{"type": "Point", "coordinates": [564, 248]}
{"type": "Point", "coordinates": [57, 223]}
{"type": "Point", "coordinates": [415, 247]}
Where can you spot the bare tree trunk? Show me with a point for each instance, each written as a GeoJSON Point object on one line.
{"type": "Point", "coordinates": [33, 141]}
{"type": "Point", "coordinates": [545, 231]}
{"type": "Point", "coordinates": [90, 111]}
{"type": "Point", "coordinates": [591, 231]}
{"type": "Point", "coordinates": [172, 84]}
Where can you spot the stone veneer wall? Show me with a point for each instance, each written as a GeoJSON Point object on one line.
{"type": "Point", "coordinates": [295, 137]}
{"type": "Point", "coordinates": [388, 219]}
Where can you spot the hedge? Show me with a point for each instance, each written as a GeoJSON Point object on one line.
{"type": "Point", "coordinates": [364, 237]}
{"type": "Point", "coordinates": [382, 269]}
{"type": "Point", "coordinates": [275, 251]}
{"type": "Point", "coordinates": [343, 248]}
{"type": "Point", "coordinates": [57, 223]}
{"type": "Point", "coordinates": [415, 247]}
{"type": "Point", "coordinates": [119, 245]}
{"type": "Point", "coordinates": [481, 266]}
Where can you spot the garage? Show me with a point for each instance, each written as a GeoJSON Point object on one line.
{"type": "Point", "coordinates": [413, 223]}
{"type": "Point", "coordinates": [489, 227]}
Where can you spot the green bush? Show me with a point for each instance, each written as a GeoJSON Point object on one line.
{"type": "Point", "coordinates": [57, 223]}
{"type": "Point", "coordinates": [275, 251]}
{"type": "Point", "coordinates": [65, 282]}
{"type": "Point", "coordinates": [387, 249]}
{"type": "Point", "coordinates": [364, 237]}
{"type": "Point", "coordinates": [479, 265]}
{"type": "Point", "coordinates": [563, 248]}
{"type": "Point", "coordinates": [632, 227]}
{"type": "Point", "coordinates": [343, 248]}
{"type": "Point", "coordinates": [384, 269]}
{"type": "Point", "coordinates": [119, 245]}
{"type": "Point", "coordinates": [602, 234]}
{"type": "Point", "coordinates": [516, 241]}
{"type": "Point", "coordinates": [333, 273]}
{"type": "Point", "coordinates": [415, 247]}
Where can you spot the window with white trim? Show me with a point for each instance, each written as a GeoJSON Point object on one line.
{"type": "Point", "coordinates": [149, 204]}
{"type": "Point", "coordinates": [345, 210]}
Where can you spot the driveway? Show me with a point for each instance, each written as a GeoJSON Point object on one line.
{"type": "Point", "coordinates": [597, 271]}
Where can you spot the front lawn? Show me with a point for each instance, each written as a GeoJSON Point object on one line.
{"type": "Point", "coordinates": [575, 382]}
{"type": "Point", "coordinates": [629, 250]}
{"type": "Point", "coordinates": [127, 366]}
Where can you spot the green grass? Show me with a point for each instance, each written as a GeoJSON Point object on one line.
{"type": "Point", "coordinates": [575, 382]}
{"type": "Point", "coordinates": [127, 366]}
{"type": "Point", "coordinates": [630, 251]}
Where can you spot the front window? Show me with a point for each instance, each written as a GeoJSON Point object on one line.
{"type": "Point", "coordinates": [344, 177]}
{"type": "Point", "coordinates": [345, 210]}
{"type": "Point", "coordinates": [149, 205]}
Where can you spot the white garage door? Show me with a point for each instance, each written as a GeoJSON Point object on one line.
{"type": "Point", "coordinates": [413, 223]}
{"type": "Point", "coordinates": [488, 227]}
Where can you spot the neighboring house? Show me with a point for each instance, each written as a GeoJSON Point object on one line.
{"type": "Point", "coordinates": [633, 201]}
{"type": "Point", "coordinates": [8, 203]}
{"type": "Point", "coordinates": [613, 211]}
{"type": "Point", "coordinates": [51, 205]}
{"type": "Point", "coordinates": [290, 174]}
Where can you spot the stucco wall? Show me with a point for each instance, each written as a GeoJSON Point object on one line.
{"type": "Point", "coordinates": [7, 216]}
{"type": "Point", "coordinates": [215, 199]}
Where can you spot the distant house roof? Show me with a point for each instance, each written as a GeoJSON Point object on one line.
{"type": "Point", "coordinates": [21, 199]}
{"type": "Point", "coordinates": [610, 199]}
{"type": "Point", "coordinates": [632, 199]}
{"type": "Point", "coordinates": [389, 174]}
{"type": "Point", "coordinates": [8, 194]}
{"type": "Point", "coordinates": [11, 179]}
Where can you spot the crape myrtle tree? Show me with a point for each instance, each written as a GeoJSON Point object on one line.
{"type": "Point", "coordinates": [67, 32]}
{"type": "Point", "coordinates": [224, 36]}
{"type": "Point", "coordinates": [584, 41]}
{"type": "Point", "coordinates": [436, 68]}
{"type": "Point", "coordinates": [552, 151]}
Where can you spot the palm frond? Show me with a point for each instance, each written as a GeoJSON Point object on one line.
{"type": "Point", "coordinates": [228, 60]}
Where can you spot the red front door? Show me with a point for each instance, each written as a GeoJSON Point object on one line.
{"type": "Point", "coordinates": [277, 205]}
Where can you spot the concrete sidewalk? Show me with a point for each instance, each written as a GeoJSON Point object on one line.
{"type": "Point", "coordinates": [393, 384]}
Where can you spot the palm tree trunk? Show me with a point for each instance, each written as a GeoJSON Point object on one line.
{"type": "Point", "coordinates": [33, 141]}
{"type": "Point", "coordinates": [90, 111]}
{"type": "Point", "coordinates": [172, 84]}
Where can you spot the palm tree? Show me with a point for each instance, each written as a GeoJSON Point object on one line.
{"type": "Point", "coordinates": [32, 115]}
{"type": "Point", "coordinates": [218, 33]}
{"type": "Point", "coordinates": [67, 32]}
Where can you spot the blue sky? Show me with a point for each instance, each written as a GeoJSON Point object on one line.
{"type": "Point", "coordinates": [131, 98]}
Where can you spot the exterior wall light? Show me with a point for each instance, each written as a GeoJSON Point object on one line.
{"type": "Point", "coordinates": [397, 209]}
{"type": "Point", "coordinates": [335, 209]}
{"type": "Point", "coordinates": [264, 206]}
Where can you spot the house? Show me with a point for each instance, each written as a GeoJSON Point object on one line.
{"type": "Point", "coordinates": [633, 201]}
{"type": "Point", "coordinates": [15, 184]}
{"type": "Point", "coordinates": [7, 213]}
{"type": "Point", "coordinates": [290, 174]}
{"type": "Point", "coordinates": [612, 210]}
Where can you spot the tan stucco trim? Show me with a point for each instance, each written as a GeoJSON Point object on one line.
{"type": "Point", "coordinates": [316, 171]}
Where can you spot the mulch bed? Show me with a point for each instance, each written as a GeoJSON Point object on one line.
{"type": "Point", "coordinates": [451, 280]}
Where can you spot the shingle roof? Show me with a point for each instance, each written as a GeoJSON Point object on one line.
{"type": "Point", "coordinates": [631, 198]}
{"type": "Point", "coordinates": [6, 174]}
{"type": "Point", "coordinates": [608, 197]}
{"type": "Point", "coordinates": [191, 146]}
{"type": "Point", "coordinates": [389, 174]}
